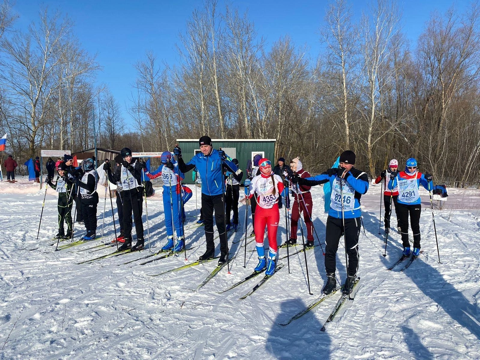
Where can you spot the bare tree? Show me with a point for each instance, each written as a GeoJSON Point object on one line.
{"type": "Point", "coordinates": [6, 17]}
{"type": "Point", "coordinates": [341, 38]}
{"type": "Point", "coordinates": [29, 74]}
{"type": "Point", "coordinates": [377, 38]}
{"type": "Point", "coordinates": [111, 120]}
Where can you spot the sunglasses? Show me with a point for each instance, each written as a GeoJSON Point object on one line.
{"type": "Point", "coordinates": [266, 163]}
{"type": "Point", "coordinates": [411, 167]}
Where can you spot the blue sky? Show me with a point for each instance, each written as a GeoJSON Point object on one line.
{"type": "Point", "coordinates": [120, 32]}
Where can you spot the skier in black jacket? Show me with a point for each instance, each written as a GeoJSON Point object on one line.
{"type": "Point", "coordinates": [130, 178]}
{"type": "Point", "coordinates": [65, 200]}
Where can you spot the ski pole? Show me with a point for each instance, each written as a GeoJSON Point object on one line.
{"type": "Point", "coordinates": [146, 208]}
{"type": "Point", "coordinates": [286, 231]}
{"type": "Point", "coordinates": [386, 233]}
{"type": "Point", "coordinates": [381, 198]}
{"type": "Point", "coordinates": [434, 226]}
{"type": "Point", "coordinates": [303, 240]}
{"type": "Point", "coordinates": [224, 220]}
{"type": "Point", "coordinates": [343, 224]}
{"type": "Point", "coordinates": [41, 214]}
{"type": "Point", "coordinates": [104, 209]}
{"type": "Point", "coordinates": [182, 219]}
{"type": "Point", "coordinates": [246, 223]}
{"type": "Point", "coordinates": [113, 214]}
{"type": "Point", "coordinates": [313, 226]}
{"type": "Point", "coordinates": [171, 209]}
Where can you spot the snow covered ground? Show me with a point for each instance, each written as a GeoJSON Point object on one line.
{"type": "Point", "coordinates": [51, 307]}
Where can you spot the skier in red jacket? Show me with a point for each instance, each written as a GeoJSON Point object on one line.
{"type": "Point", "coordinates": [389, 195]}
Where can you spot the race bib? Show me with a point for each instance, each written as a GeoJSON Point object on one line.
{"type": "Point", "coordinates": [408, 192]}
{"type": "Point", "coordinates": [61, 186]}
{"type": "Point", "coordinates": [168, 177]}
{"type": "Point", "coordinates": [128, 181]}
{"type": "Point", "coordinates": [342, 193]}
{"type": "Point", "coordinates": [264, 188]}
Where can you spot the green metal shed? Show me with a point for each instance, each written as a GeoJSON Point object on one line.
{"type": "Point", "coordinates": [240, 149]}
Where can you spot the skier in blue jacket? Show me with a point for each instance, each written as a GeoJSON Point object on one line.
{"type": "Point", "coordinates": [409, 202]}
{"type": "Point", "coordinates": [172, 195]}
{"type": "Point", "coordinates": [348, 185]}
{"type": "Point", "coordinates": [210, 164]}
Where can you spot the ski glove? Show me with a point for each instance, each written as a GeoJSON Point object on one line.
{"type": "Point", "coordinates": [106, 166]}
{"type": "Point", "coordinates": [126, 165]}
{"type": "Point", "coordinates": [295, 178]}
{"type": "Point", "coordinates": [222, 154]}
{"type": "Point", "coordinates": [383, 174]}
{"type": "Point", "coordinates": [177, 151]}
{"type": "Point", "coordinates": [142, 164]}
{"type": "Point", "coordinates": [393, 175]}
{"type": "Point", "coordinates": [331, 172]}
{"type": "Point", "coordinates": [428, 177]}
{"type": "Point", "coordinates": [169, 165]}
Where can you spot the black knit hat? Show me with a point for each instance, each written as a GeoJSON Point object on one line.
{"type": "Point", "coordinates": [281, 159]}
{"type": "Point", "coordinates": [348, 157]}
{"type": "Point", "coordinates": [205, 140]}
{"type": "Point", "coordinates": [67, 157]}
{"type": "Point", "coordinates": [125, 152]}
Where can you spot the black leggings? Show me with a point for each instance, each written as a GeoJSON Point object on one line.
{"type": "Point", "coordinates": [333, 233]}
{"type": "Point", "coordinates": [388, 208]}
{"type": "Point", "coordinates": [209, 205]}
{"type": "Point", "coordinates": [233, 193]}
{"type": "Point", "coordinates": [414, 211]}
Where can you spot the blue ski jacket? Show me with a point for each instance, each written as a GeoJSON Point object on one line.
{"type": "Point", "coordinates": [210, 167]}
{"type": "Point", "coordinates": [356, 180]}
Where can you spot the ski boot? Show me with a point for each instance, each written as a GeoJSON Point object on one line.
{"type": "Point", "coordinates": [406, 251]}
{"type": "Point", "coordinates": [60, 235]}
{"type": "Point", "coordinates": [223, 259]}
{"type": "Point", "coordinates": [200, 222]}
{"type": "Point", "coordinates": [127, 245]}
{"type": "Point", "coordinates": [68, 235]}
{"type": "Point", "coordinates": [291, 242]}
{"type": "Point", "coordinates": [252, 234]}
{"type": "Point", "coordinates": [272, 264]}
{"type": "Point", "coordinates": [235, 227]}
{"type": "Point", "coordinates": [387, 230]}
{"type": "Point", "coordinates": [229, 227]}
{"type": "Point", "coordinates": [331, 284]}
{"type": "Point", "coordinates": [262, 264]}
{"type": "Point", "coordinates": [416, 252]}
{"type": "Point", "coordinates": [180, 245]}
{"type": "Point", "coordinates": [207, 255]}
{"type": "Point", "coordinates": [348, 286]}
{"type": "Point", "coordinates": [169, 244]}
{"type": "Point", "coordinates": [89, 236]}
{"type": "Point", "coordinates": [309, 244]}
{"type": "Point", "coordinates": [139, 245]}
{"type": "Point", "coordinates": [121, 239]}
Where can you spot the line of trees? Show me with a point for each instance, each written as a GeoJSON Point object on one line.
{"type": "Point", "coordinates": [48, 99]}
{"type": "Point", "coordinates": [367, 91]}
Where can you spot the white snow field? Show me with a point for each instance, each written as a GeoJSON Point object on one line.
{"type": "Point", "coordinates": [51, 307]}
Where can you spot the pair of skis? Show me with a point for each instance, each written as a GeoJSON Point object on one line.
{"type": "Point", "coordinates": [336, 309]}
{"type": "Point", "coordinates": [408, 263]}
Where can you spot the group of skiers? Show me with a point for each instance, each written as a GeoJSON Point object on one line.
{"type": "Point", "coordinates": [76, 184]}
{"type": "Point", "coordinates": [267, 190]}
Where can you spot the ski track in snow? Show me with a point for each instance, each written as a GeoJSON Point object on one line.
{"type": "Point", "coordinates": [53, 308]}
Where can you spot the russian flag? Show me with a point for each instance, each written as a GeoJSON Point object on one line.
{"type": "Point", "coordinates": [3, 142]}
